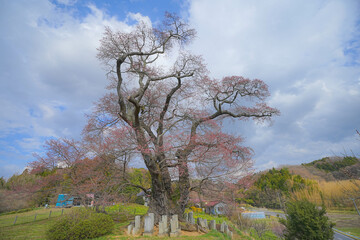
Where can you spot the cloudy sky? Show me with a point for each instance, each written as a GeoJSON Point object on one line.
{"type": "Point", "coordinates": [308, 52]}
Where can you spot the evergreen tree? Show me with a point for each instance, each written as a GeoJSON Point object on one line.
{"type": "Point", "coordinates": [304, 220]}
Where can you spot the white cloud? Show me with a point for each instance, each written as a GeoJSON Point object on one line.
{"type": "Point", "coordinates": [306, 52]}
{"type": "Point", "coordinates": [267, 165]}
{"type": "Point", "coordinates": [30, 144]}
{"type": "Point", "coordinates": [49, 74]}
{"type": "Point", "coordinates": [7, 170]}
{"type": "Point", "coordinates": [302, 51]}
{"type": "Point", "coordinates": [67, 2]}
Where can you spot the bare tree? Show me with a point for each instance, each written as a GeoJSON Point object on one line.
{"type": "Point", "coordinates": [173, 114]}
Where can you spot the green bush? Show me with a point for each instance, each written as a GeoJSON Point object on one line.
{"type": "Point", "coordinates": [304, 220]}
{"type": "Point", "coordinates": [81, 224]}
{"type": "Point", "coordinates": [140, 200]}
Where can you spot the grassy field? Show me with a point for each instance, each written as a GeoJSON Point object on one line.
{"type": "Point", "coordinates": [218, 219]}
{"type": "Point", "coordinates": [27, 227]}
{"type": "Point", "coordinates": [346, 221]}
{"type": "Point", "coordinates": [352, 231]}
{"type": "Point", "coordinates": [30, 230]}
{"type": "Point", "coordinates": [129, 209]}
{"type": "Point", "coordinates": [30, 216]}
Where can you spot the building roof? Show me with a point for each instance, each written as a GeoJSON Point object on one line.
{"type": "Point", "coordinates": [208, 203]}
{"type": "Point", "coordinates": [211, 203]}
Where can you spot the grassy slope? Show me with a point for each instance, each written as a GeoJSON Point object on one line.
{"type": "Point", "coordinates": [28, 217]}
{"type": "Point", "coordinates": [26, 227]}
{"type": "Point", "coordinates": [32, 230]}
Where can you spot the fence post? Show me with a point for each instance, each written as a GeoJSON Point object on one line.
{"type": "Point", "coordinates": [62, 211]}
{"type": "Point", "coordinates": [15, 220]}
{"type": "Point", "coordinates": [35, 217]}
{"type": "Point", "coordinates": [50, 214]}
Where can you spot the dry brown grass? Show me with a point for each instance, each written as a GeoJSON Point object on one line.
{"type": "Point", "coordinates": [336, 194]}
{"type": "Point", "coordinates": [310, 172]}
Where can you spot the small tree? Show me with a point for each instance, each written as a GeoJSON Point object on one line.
{"type": "Point", "coordinates": [304, 220]}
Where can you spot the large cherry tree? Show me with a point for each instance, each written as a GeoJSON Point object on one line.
{"type": "Point", "coordinates": [171, 111]}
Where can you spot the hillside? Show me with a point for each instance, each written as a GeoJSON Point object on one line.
{"type": "Point", "coordinates": [333, 181]}
{"type": "Point", "coordinates": [328, 169]}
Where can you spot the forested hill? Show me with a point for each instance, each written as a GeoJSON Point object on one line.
{"type": "Point", "coordinates": [329, 169]}
{"type": "Point", "coordinates": [331, 180]}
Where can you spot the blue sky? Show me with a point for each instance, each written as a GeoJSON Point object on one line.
{"type": "Point", "coordinates": [307, 52]}
{"type": "Point", "coordinates": [119, 9]}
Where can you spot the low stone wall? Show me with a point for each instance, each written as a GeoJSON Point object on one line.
{"type": "Point", "coordinates": [146, 227]}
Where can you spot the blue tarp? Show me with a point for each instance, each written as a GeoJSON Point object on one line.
{"type": "Point", "coordinates": [64, 201]}
{"type": "Point", "coordinates": [254, 215]}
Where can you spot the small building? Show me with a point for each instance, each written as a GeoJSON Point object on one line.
{"type": "Point", "coordinates": [215, 207]}
{"type": "Point", "coordinates": [65, 200]}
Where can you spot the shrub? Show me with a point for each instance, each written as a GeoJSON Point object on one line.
{"type": "Point", "coordinates": [306, 221]}
{"type": "Point", "coordinates": [140, 200]}
{"type": "Point", "coordinates": [195, 209]}
{"type": "Point", "coordinates": [80, 224]}
{"type": "Point", "coordinates": [260, 227]}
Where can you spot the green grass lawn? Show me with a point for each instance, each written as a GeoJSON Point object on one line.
{"type": "Point", "coordinates": [336, 211]}
{"type": "Point", "coordinates": [30, 216]}
{"type": "Point", "coordinates": [218, 219]}
{"type": "Point", "coordinates": [27, 228]}
{"type": "Point", "coordinates": [352, 231]}
{"type": "Point", "coordinates": [31, 230]}
{"type": "Point", "coordinates": [130, 208]}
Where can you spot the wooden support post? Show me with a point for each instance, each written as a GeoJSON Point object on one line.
{"type": "Point", "coordinates": [353, 199]}
{"type": "Point", "coordinates": [15, 220]}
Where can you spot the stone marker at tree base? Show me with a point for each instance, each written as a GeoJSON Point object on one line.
{"type": "Point", "coordinates": [205, 223]}
{"type": "Point", "coordinates": [148, 225]}
{"type": "Point", "coordinates": [164, 219]}
{"type": "Point", "coordinates": [212, 224]}
{"type": "Point", "coordinates": [191, 219]}
{"type": "Point", "coordinates": [229, 233]}
{"type": "Point", "coordinates": [152, 215]}
{"type": "Point", "coordinates": [186, 217]}
{"type": "Point", "coordinates": [174, 226]}
{"type": "Point", "coordinates": [202, 223]}
{"type": "Point", "coordinates": [198, 221]}
{"type": "Point", "coordinates": [175, 231]}
{"type": "Point", "coordinates": [222, 227]}
{"type": "Point", "coordinates": [129, 229]}
{"type": "Point", "coordinates": [137, 226]}
{"type": "Point", "coordinates": [226, 229]}
{"type": "Point", "coordinates": [163, 226]}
